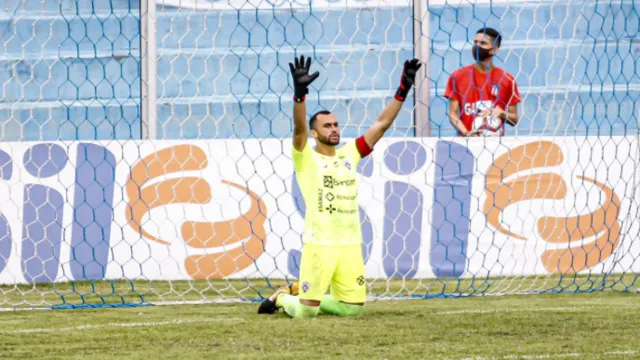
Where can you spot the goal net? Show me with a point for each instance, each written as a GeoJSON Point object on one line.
{"type": "Point", "coordinates": [146, 153]}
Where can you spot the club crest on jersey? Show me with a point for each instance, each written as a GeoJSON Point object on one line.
{"type": "Point", "coordinates": [347, 164]}
{"type": "Point", "coordinates": [494, 90]}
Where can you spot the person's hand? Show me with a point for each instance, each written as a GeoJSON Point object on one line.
{"type": "Point", "coordinates": [499, 113]}
{"type": "Point", "coordinates": [409, 73]}
{"type": "Point", "coordinates": [301, 77]}
{"type": "Point", "coordinates": [474, 133]}
{"type": "Point", "coordinates": [408, 78]}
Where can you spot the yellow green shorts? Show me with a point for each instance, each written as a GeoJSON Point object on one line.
{"type": "Point", "coordinates": [340, 268]}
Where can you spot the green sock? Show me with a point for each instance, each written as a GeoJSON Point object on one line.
{"type": "Point", "coordinates": [334, 307]}
{"type": "Point", "coordinates": [295, 309]}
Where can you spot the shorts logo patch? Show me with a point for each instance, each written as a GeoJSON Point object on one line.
{"type": "Point", "coordinates": [360, 280]}
{"type": "Point", "coordinates": [305, 286]}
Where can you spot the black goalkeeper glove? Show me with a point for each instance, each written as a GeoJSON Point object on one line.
{"type": "Point", "coordinates": [408, 78]}
{"type": "Point", "coordinates": [301, 78]}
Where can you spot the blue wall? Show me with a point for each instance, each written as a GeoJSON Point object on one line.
{"type": "Point", "coordinates": [77, 78]}
{"type": "Point", "coordinates": [224, 74]}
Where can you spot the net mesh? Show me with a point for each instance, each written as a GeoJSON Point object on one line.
{"type": "Point", "coordinates": [210, 209]}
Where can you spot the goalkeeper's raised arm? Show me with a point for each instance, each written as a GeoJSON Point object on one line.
{"type": "Point", "coordinates": [301, 82]}
{"type": "Point", "coordinates": [390, 112]}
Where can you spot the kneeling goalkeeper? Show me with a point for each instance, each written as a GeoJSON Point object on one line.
{"type": "Point", "coordinates": [332, 255]}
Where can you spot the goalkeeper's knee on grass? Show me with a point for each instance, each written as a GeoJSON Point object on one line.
{"type": "Point", "coordinates": [294, 308]}
{"type": "Point", "coordinates": [331, 306]}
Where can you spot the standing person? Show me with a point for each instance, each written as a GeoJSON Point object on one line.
{"type": "Point", "coordinates": [482, 91]}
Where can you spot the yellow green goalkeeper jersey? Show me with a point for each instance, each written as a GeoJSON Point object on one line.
{"type": "Point", "coordinates": [329, 187]}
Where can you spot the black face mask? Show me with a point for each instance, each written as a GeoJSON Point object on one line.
{"type": "Point", "coordinates": [480, 54]}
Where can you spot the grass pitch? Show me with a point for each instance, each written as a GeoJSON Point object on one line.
{"type": "Point", "coordinates": [599, 325]}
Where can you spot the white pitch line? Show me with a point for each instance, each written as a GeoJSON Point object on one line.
{"type": "Point", "coordinates": [548, 356]}
{"type": "Point", "coordinates": [117, 325]}
{"type": "Point", "coordinates": [491, 311]}
{"type": "Point", "coordinates": [627, 352]}
{"type": "Point", "coordinates": [542, 356]}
